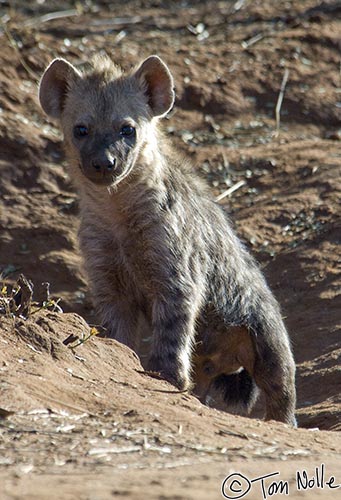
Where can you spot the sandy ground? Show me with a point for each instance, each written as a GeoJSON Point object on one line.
{"type": "Point", "coordinates": [86, 423]}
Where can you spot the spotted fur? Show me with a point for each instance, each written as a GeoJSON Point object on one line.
{"type": "Point", "coordinates": [155, 244]}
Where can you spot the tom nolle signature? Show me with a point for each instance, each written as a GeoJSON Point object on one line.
{"type": "Point", "coordinates": [238, 486]}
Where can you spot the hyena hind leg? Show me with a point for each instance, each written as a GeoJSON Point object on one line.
{"type": "Point", "coordinates": [274, 374]}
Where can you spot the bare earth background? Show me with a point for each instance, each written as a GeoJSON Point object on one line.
{"type": "Point", "coordinates": [87, 424]}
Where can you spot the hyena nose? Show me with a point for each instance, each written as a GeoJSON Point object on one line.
{"type": "Point", "coordinates": [104, 165]}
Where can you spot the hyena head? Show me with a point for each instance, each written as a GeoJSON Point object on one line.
{"type": "Point", "coordinates": [107, 117]}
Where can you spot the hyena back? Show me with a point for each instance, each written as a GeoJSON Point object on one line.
{"type": "Point", "coordinates": [155, 245]}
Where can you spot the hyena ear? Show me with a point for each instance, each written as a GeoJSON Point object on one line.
{"type": "Point", "coordinates": [54, 86]}
{"type": "Point", "coordinates": [157, 82]}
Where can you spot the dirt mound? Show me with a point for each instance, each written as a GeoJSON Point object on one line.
{"type": "Point", "coordinates": [92, 407]}
{"type": "Point", "coordinates": [86, 423]}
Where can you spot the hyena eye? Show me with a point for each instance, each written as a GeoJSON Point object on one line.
{"type": "Point", "coordinates": [80, 131]}
{"type": "Point", "coordinates": [127, 131]}
{"type": "Point", "coordinates": [208, 368]}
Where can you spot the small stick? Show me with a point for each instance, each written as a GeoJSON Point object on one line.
{"type": "Point", "coordinates": [57, 401]}
{"type": "Point", "coordinates": [25, 295]}
{"type": "Point", "coordinates": [253, 40]}
{"type": "Point", "coordinates": [280, 100]}
{"type": "Point", "coordinates": [63, 404]}
{"type": "Point", "coordinates": [46, 286]}
{"type": "Point", "coordinates": [230, 190]}
{"type": "Point", "coordinates": [50, 17]}
{"type": "Point", "coordinates": [238, 5]}
{"type": "Point", "coordinates": [117, 21]}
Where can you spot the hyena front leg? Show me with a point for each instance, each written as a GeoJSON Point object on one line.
{"type": "Point", "coordinates": [173, 335]}
{"type": "Point", "coordinates": [114, 302]}
{"type": "Point", "coordinates": [120, 320]}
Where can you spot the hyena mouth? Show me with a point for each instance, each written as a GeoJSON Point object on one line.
{"type": "Point", "coordinates": [105, 177]}
{"type": "Point", "coordinates": [100, 178]}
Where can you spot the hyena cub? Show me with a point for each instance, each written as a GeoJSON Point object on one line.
{"type": "Point", "coordinates": [155, 245]}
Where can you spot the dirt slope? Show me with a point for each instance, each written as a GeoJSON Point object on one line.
{"type": "Point", "coordinates": [89, 421]}
{"type": "Point", "coordinates": [87, 424]}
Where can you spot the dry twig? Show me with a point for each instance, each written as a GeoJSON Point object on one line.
{"type": "Point", "coordinates": [50, 17]}
{"type": "Point", "coordinates": [280, 100]}
{"type": "Point", "coordinates": [251, 41]}
{"type": "Point", "coordinates": [230, 190]}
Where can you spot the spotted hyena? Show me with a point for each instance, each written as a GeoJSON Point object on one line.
{"type": "Point", "coordinates": [155, 244]}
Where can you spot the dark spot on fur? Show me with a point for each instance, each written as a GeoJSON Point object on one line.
{"type": "Point", "coordinates": [172, 323]}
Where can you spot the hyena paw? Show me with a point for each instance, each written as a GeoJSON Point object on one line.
{"type": "Point", "coordinates": [282, 409]}
{"type": "Point", "coordinates": [175, 374]}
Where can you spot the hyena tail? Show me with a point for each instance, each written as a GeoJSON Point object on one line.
{"type": "Point", "coordinates": [237, 391]}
